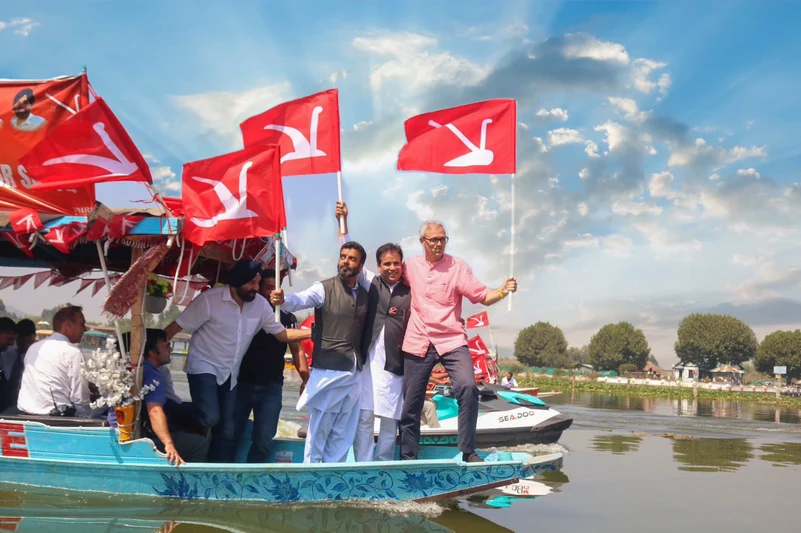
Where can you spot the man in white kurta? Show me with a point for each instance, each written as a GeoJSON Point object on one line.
{"type": "Point", "coordinates": [332, 395]}
{"type": "Point", "coordinates": [382, 390]}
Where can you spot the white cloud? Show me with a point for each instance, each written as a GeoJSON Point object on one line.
{"type": "Point", "coordinates": [583, 209]}
{"type": "Point", "coordinates": [585, 240]}
{"type": "Point", "coordinates": [562, 136]}
{"type": "Point", "coordinates": [164, 179]}
{"type": "Point", "coordinates": [222, 112]}
{"type": "Point", "coordinates": [618, 136]}
{"type": "Point", "coordinates": [702, 154]}
{"type": "Point", "coordinates": [555, 114]}
{"type": "Point", "coordinates": [412, 66]}
{"type": "Point", "coordinates": [617, 245]}
{"type": "Point", "coordinates": [745, 260]}
{"type": "Point", "coordinates": [540, 146]}
{"type": "Point", "coordinates": [751, 172]}
{"type": "Point", "coordinates": [666, 243]}
{"type": "Point", "coordinates": [628, 208]}
{"type": "Point", "coordinates": [661, 186]}
{"type": "Point", "coordinates": [641, 69]}
{"type": "Point", "coordinates": [21, 26]}
{"type": "Point", "coordinates": [630, 109]}
{"type": "Point", "coordinates": [584, 173]}
{"type": "Point", "coordinates": [591, 149]}
{"type": "Point", "coordinates": [338, 75]}
{"type": "Point", "coordinates": [582, 46]}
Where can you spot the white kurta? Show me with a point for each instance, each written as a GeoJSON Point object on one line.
{"type": "Point", "coordinates": [332, 396]}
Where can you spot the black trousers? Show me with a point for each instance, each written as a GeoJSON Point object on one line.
{"type": "Point", "coordinates": [416, 371]}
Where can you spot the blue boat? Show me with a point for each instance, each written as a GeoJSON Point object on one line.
{"type": "Point", "coordinates": [92, 459]}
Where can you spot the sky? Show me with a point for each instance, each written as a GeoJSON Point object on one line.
{"type": "Point", "coordinates": [658, 142]}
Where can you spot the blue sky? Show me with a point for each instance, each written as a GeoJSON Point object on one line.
{"type": "Point", "coordinates": [658, 142]}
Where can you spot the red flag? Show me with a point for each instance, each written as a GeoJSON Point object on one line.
{"type": "Point", "coordinates": [480, 320]}
{"type": "Point", "coordinates": [84, 284]}
{"type": "Point", "coordinates": [90, 147]}
{"type": "Point", "coordinates": [41, 277]}
{"type": "Point", "coordinates": [61, 237]}
{"type": "Point", "coordinates": [22, 280]}
{"type": "Point", "coordinates": [29, 111]}
{"type": "Point", "coordinates": [121, 225]}
{"type": "Point", "coordinates": [21, 243]}
{"type": "Point", "coordinates": [234, 196]}
{"type": "Point", "coordinates": [308, 345]}
{"type": "Point", "coordinates": [479, 353]}
{"type": "Point", "coordinates": [25, 221]}
{"type": "Point", "coordinates": [478, 138]}
{"type": "Point", "coordinates": [307, 131]}
{"type": "Point", "coordinates": [175, 205]}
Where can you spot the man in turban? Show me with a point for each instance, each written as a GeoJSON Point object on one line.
{"type": "Point", "coordinates": [223, 322]}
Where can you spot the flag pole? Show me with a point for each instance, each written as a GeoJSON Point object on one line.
{"type": "Point", "coordinates": [512, 246]}
{"type": "Point", "coordinates": [512, 235]}
{"type": "Point", "coordinates": [494, 346]}
{"type": "Point", "coordinates": [277, 271]}
{"type": "Point", "coordinates": [339, 190]}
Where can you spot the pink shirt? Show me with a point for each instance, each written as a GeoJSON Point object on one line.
{"type": "Point", "coordinates": [437, 291]}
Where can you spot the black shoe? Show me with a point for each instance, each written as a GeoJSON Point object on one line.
{"type": "Point", "coordinates": [472, 458]}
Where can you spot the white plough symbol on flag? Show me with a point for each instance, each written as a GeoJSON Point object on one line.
{"type": "Point", "coordinates": [235, 209]}
{"type": "Point", "coordinates": [304, 148]}
{"type": "Point", "coordinates": [478, 155]}
{"type": "Point", "coordinates": [115, 167]}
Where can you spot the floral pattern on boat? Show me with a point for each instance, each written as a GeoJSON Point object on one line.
{"type": "Point", "coordinates": [346, 484]}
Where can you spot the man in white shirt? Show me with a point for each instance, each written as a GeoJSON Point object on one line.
{"type": "Point", "coordinates": [509, 381]}
{"type": "Point", "coordinates": [52, 376]}
{"type": "Point", "coordinates": [333, 392]}
{"type": "Point", "coordinates": [223, 322]}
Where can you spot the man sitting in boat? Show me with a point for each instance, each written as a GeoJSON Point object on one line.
{"type": "Point", "coordinates": [333, 392]}
{"type": "Point", "coordinates": [261, 381]}
{"type": "Point", "coordinates": [509, 381]}
{"type": "Point", "coordinates": [224, 321]}
{"type": "Point", "coordinates": [438, 283]}
{"type": "Point", "coordinates": [179, 446]}
{"type": "Point", "coordinates": [389, 304]}
{"type": "Point", "coordinates": [52, 382]}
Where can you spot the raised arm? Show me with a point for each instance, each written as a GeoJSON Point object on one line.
{"type": "Point", "coordinates": [366, 275]}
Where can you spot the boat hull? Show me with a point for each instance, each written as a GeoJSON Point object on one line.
{"type": "Point", "coordinates": [547, 432]}
{"type": "Point", "coordinates": [91, 459]}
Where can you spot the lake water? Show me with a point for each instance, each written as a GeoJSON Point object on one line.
{"type": "Point", "coordinates": [631, 465]}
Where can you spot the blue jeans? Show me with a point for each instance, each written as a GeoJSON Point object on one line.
{"type": "Point", "coordinates": [214, 407]}
{"type": "Point", "coordinates": [265, 402]}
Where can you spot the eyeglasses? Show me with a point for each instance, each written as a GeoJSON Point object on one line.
{"type": "Point", "coordinates": [438, 240]}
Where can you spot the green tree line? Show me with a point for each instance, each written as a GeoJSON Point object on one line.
{"type": "Point", "coordinates": [706, 340]}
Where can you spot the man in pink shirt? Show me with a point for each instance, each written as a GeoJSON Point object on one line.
{"type": "Point", "coordinates": [435, 334]}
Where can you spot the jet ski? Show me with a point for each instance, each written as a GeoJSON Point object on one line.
{"type": "Point", "coordinates": [505, 418]}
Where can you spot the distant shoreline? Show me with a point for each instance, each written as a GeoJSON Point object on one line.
{"type": "Point", "coordinates": [646, 391]}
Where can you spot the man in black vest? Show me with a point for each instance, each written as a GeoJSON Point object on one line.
{"type": "Point", "coordinates": [261, 380]}
{"type": "Point", "coordinates": [389, 305]}
{"type": "Point", "coordinates": [333, 392]}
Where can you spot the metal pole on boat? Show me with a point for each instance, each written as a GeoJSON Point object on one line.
{"type": "Point", "coordinates": [278, 274]}
{"type": "Point", "coordinates": [104, 268]}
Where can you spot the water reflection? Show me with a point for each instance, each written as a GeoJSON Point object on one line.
{"type": "Point", "coordinates": [782, 453]}
{"type": "Point", "coordinates": [617, 444]}
{"type": "Point", "coordinates": [48, 511]}
{"type": "Point", "coordinates": [711, 455]}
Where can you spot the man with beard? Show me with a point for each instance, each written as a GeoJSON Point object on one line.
{"type": "Point", "coordinates": [223, 322]}
{"type": "Point", "coordinates": [389, 302]}
{"type": "Point", "coordinates": [333, 392]}
{"type": "Point", "coordinates": [23, 119]}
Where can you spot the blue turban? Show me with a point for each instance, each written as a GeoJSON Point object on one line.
{"type": "Point", "coordinates": [242, 272]}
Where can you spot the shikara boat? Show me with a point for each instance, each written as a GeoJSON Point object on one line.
{"type": "Point", "coordinates": [92, 459]}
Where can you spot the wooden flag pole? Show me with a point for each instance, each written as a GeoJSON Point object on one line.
{"type": "Point", "coordinates": [339, 190]}
{"type": "Point", "coordinates": [512, 245]}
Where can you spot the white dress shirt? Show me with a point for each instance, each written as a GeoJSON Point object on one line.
{"type": "Point", "coordinates": [330, 391]}
{"type": "Point", "coordinates": [509, 383]}
{"type": "Point", "coordinates": [52, 373]}
{"type": "Point", "coordinates": [221, 331]}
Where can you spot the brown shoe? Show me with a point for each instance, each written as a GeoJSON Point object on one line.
{"type": "Point", "coordinates": [472, 458]}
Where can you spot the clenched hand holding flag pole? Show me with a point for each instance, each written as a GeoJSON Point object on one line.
{"type": "Point", "coordinates": [443, 141]}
